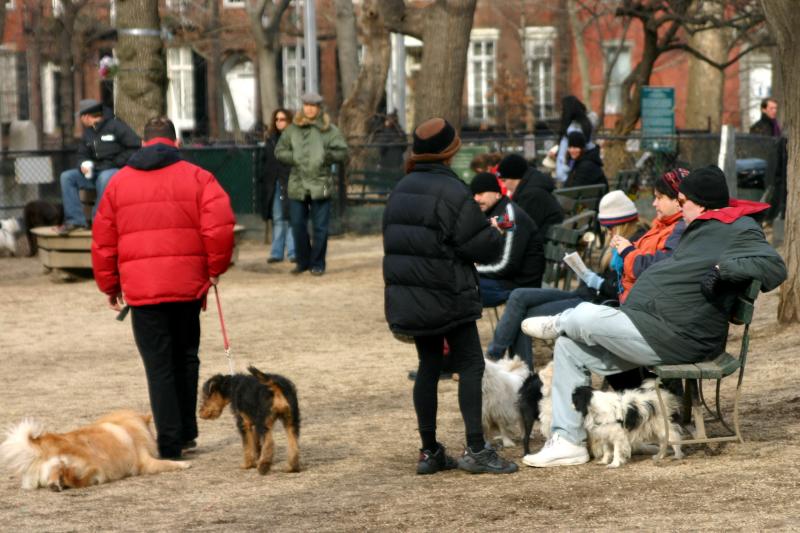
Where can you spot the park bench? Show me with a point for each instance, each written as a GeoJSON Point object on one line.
{"type": "Point", "coordinates": [365, 186]}
{"type": "Point", "coordinates": [573, 200]}
{"type": "Point", "coordinates": [627, 181]}
{"type": "Point", "coordinates": [717, 368]}
{"type": "Point", "coordinates": [60, 254]}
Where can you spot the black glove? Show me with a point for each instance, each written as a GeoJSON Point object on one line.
{"type": "Point", "coordinates": [709, 283]}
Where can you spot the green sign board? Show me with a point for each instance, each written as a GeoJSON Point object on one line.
{"type": "Point", "coordinates": [463, 158]}
{"type": "Point", "coordinates": [658, 119]}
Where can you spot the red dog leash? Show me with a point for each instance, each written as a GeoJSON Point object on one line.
{"type": "Point", "coordinates": [224, 332]}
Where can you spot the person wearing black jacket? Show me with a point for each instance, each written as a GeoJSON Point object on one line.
{"type": "Point", "coordinates": [274, 190]}
{"type": "Point", "coordinates": [522, 262]}
{"type": "Point", "coordinates": [105, 147]}
{"type": "Point", "coordinates": [433, 233]}
{"type": "Point", "coordinates": [532, 191]}
{"type": "Point", "coordinates": [587, 167]}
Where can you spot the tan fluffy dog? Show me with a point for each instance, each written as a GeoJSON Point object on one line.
{"type": "Point", "coordinates": [118, 445]}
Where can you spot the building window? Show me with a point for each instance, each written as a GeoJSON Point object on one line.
{"type": "Point", "coordinates": [481, 74]}
{"type": "Point", "coordinates": [58, 8]}
{"type": "Point", "coordinates": [293, 75]}
{"type": "Point", "coordinates": [9, 4]}
{"type": "Point", "coordinates": [232, 3]}
{"type": "Point", "coordinates": [180, 93]}
{"type": "Point", "coordinates": [8, 86]}
{"type": "Point", "coordinates": [620, 71]}
{"type": "Point", "coordinates": [539, 66]}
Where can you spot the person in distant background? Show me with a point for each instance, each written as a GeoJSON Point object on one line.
{"type": "Point", "coordinates": [275, 190]}
{"type": "Point", "coordinates": [587, 166]}
{"type": "Point", "coordinates": [105, 147]}
{"type": "Point", "coordinates": [574, 117]}
{"type": "Point", "coordinates": [768, 125]}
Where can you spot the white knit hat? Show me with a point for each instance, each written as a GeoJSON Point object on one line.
{"type": "Point", "coordinates": [616, 208]}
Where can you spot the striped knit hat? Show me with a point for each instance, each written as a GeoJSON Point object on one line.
{"type": "Point", "coordinates": [616, 208]}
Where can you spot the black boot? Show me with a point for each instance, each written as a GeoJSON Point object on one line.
{"type": "Point", "coordinates": [431, 462]}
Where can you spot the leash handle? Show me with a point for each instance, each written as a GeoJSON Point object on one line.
{"type": "Point", "coordinates": [226, 344]}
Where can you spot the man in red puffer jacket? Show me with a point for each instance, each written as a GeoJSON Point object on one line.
{"type": "Point", "coordinates": [163, 234]}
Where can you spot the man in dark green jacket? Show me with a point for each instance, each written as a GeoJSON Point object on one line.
{"type": "Point", "coordinates": [677, 312]}
{"type": "Point", "coordinates": [310, 145]}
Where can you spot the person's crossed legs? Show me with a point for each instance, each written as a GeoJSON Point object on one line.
{"type": "Point", "coordinates": [595, 338]}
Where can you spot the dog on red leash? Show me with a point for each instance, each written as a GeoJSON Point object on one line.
{"type": "Point", "coordinates": [118, 445]}
{"type": "Point", "coordinates": [257, 401]}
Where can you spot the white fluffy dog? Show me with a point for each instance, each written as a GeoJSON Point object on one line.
{"type": "Point", "coordinates": [619, 421]}
{"type": "Point", "coordinates": [502, 381]}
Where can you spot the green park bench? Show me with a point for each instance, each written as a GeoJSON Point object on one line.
{"type": "Point", "coordinates": [371, 186]}
{"type": "Point", "coordinates": [715, 369]}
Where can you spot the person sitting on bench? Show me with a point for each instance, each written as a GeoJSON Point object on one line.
{"type": "Point", "coordinates": [105, 147]}
{"type": "Point", "coordinates": [676, 312]}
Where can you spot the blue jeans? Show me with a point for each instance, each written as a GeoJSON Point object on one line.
{"type": "Point", "coordinates": [494, 292]}
{"type": "Point", "coordinates": [281, 234]}
{"type": "Point", "coordinates": [310, 254]}
{"type": "Point", "coordinates": [71, 181]}
{"type": "Point", "coordinates": [598, 339]}
{"type": "Point", "coordinates": [521, 304]}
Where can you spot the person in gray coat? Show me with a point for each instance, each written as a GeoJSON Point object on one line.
{"type": "Point", "coordinates": [677, 312]}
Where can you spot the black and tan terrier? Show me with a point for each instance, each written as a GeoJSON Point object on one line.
{"type": "Point", "coordinates": [257, 401]}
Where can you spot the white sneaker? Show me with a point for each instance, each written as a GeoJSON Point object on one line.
{"type": "Point", "coordinates": [542, 327]}
{"type": "Point", "coordinates": [557, 451]}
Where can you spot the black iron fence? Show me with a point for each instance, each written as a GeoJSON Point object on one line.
{"type": "Point", "coordinates": [374, 168]}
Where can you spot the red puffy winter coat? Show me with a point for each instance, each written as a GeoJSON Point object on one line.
{"type": "Point", "coordinates": [163, 227]}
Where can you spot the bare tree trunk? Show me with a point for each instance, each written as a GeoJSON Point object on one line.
{"type": "Point", "coordinates": [66, 63]}
{"type": "Point", "coordinates": [142, 69]}
{"type": "Point", "coordinates": [3, 18]}
{"type": "Point", "coordinates": [216, 114]}
{"type": "Point", "coordinates": [445, 36]}
{"type": "Point", "coordinates": [34, 56]}
{"type": "Point", "coordinates": [583, 61]}
{"type": "Point", "coordinates": [706, 82]}
{"type": "Point", "coordinates": [347, 45]}
{"type": "Point", "coordinates": [563, 53]}
{"type": "Point", "coordinates": [783, 18]}
{"type": "Point", "coordinates": [267, 46]}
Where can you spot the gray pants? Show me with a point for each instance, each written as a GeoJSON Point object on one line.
{"type": "Point", "coordinates": [597, 339]}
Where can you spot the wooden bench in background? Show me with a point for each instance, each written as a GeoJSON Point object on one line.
{"type": "Point", "coordinates": [62, 253]}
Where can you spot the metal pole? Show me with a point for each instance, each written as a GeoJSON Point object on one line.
{"type": "Point", "coordinates": [399, 57]}
{"type": "Point", "coordinates": [310, 45]}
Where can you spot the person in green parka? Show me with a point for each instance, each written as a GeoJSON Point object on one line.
{"type": "Point", "coordinates": [676, 312]}
{"type": "Point", "coordinates": [310, 145]}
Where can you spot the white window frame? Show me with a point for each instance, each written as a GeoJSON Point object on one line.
{"type": "Point", "coordinates": [9, 94]}
{"type": "Point", "coordinates": [622, 68]}
{"type": "Point", "coordinates": [233, 4]}
{"type": "Point", "coordinates": [539, 42]}
{"type": "Point", "coordinates": [480, 107]}
{"type": "Point", "coordinates": [180, 88]}
{"type": "Point", "coordinates": [294, 74]}
{"type": "Point", "coordinates": [58, 8]}
{"type": "Point", "coordinates": [9, 5]}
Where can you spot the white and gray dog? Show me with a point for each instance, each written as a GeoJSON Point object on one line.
{"type": "Point", "coordinates": [618, 422]}
{"type": "Point", "coordinates": [502, 380]}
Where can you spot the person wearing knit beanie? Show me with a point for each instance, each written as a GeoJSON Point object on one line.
{"type": "Point", "coordinates": [512, 166]}
{"type": "Point", "coordinates": [616, 208]}
{"type": "Point", "coordinates": [706, 187]}
{"type": "Point", "coordinates": [576, 139]}
{"type": "Point", "coordinates": [669, 182]}
{"type": "Point", "coordinates": [485, 190]}
{"type": "Point", "coordinates": [435, 141]}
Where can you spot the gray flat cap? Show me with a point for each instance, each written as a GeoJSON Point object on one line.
{"type": "Point", "coordinates": [89, 105]}
{"type": "Point", "coordinates": [312, 98]}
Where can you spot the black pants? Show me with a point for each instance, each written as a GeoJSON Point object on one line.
{"type": "Point", "coordinates": [168, 338]}
{"type": "Point", "coordinates": [467, 360]}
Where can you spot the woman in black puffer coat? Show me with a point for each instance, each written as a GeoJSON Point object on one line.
{"type": "Point", "coordinates": [433, 233]}
{"type": "Point", "coordinates": [274, 187]}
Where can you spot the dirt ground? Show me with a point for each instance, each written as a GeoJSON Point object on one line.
{"type": "Point", "coordinates": [66, 361]}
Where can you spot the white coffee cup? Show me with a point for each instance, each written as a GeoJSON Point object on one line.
{"type": "Point", "coordinates": [87, 168]}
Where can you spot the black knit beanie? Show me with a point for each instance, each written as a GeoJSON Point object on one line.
{"type": "Point", "coordinates": [576, 139]}
{"type": "Point", "coordinates": [512, 166]}
{"type": "Point", "coordinates": [484, 182]}
{"type": "Point", "coordinates": [706, 187]}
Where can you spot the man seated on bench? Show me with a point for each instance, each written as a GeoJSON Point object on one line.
{"type": "Point", "coordinates": [676, 312]}
{"type": "Point", "coordinates": [531, 190]}
{"type": "Point", "coordinates": [521, 263]}
{"type": "Point", "coordinates": [105, 147]}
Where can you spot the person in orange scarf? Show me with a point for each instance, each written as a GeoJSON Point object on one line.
{"type": "Point", "coordinates": [662, 238]}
